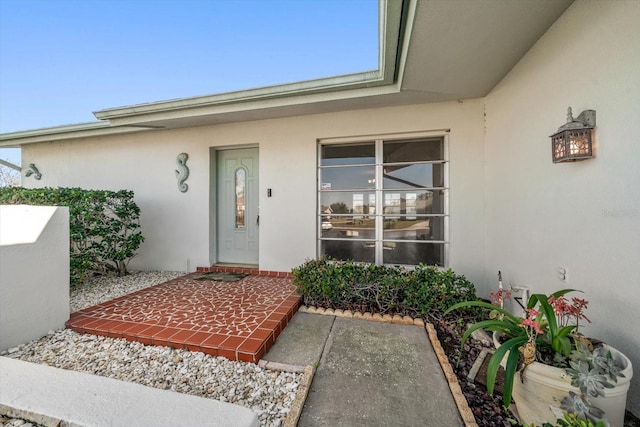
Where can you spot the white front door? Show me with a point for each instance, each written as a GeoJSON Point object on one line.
{"type": "Point", "coordinates": [238, 214]}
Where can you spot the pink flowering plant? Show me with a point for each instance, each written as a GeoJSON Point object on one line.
{"type": "Point", "coordinates": [560, 320]}
{"type": "Point", "coordinates": [549, 332]}
{"type": "Point", "coordinates": [531, 325]}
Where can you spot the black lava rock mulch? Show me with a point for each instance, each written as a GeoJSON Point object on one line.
{"type": "Point", "coordinates": [486, 409]}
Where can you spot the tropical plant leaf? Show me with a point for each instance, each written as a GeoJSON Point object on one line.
{"type": "Point", "coordinates": [491, 325]}
{"type": "Point", "coordinates": [510, 374]}
{"type": "Point", "coordinates": [511, 366]}
{"type": "Point", "coordinates": [482, 304]}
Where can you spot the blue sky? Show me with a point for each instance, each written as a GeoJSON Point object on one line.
{"type": "Point", "coordinates": [62, 59]}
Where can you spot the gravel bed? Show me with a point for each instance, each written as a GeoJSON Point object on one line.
{"type": "Point", "coordinates": [268, 393]}
{"type": "Point", "coordinates": [104, 288]}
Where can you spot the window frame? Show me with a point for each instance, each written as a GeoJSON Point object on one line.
{"type": "Point", "coordinates": [379, 191]}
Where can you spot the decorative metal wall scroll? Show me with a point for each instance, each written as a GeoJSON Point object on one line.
{"type": "Point", "coordinates": [33, 170]}
{"type": "Point", "coordinates": [182, 173]}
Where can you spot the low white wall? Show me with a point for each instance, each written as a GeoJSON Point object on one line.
{"type": "Point", "coordinates": [34, 272]}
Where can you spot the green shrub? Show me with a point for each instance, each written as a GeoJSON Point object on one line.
{"type": "Point", "coordinates": [103, 226]}
{"type": "Point", "coordinates": [419, 292]}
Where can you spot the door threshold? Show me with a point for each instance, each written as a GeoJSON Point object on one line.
{"type": "Point", "coordinates": [231, 264]}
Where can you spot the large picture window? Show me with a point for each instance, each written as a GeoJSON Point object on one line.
{"type": "Point", "coordinates": [384, 201]}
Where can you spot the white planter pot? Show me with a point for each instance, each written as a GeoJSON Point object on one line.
{"type": "Point", "coordinates": [537, 397]}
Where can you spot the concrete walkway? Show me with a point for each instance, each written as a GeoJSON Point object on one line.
{"type": "Point", "coordinates": [368, 373]}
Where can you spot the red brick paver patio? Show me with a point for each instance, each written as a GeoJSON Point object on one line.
{"type": "Point", "coordinates": [238, 320]}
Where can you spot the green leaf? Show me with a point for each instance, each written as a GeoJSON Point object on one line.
{"type": "Point", "coordinates": [482, 304]}
{"type": "Point", "coordinates": [510, 374]}
{"type": "Point", "coordinates": [510, 346]}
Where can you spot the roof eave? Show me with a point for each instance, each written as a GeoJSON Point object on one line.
{"type": "Point", "coordinates": [309, 87]}
{"type": "Point", "coordinates": [81, 130]}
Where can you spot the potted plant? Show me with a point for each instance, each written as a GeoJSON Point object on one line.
{"type": "Point", "coordinates": [550, 367]}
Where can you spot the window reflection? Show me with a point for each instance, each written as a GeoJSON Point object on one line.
{"type": "Point", "coordinates": [419, 150]}
{"type": "Point", "coordinates": [412, 228]}
{"type": "Point", "coordinates": [348, 202]}
{"type": "Point", "coordinates": [399, 219]}
{"type": "Point", "coordinates": [349, 154]}
{"type": "Point", "coordinates": [413, 176]}
{"type": "Point", "coordinates": [354, 250]}
{"type": "Point", "coordinates": [347, 178]}
{"type": "Point", "coordinates": [240, 197]}
{"type": "Point", "coordinates": [413, 253]}
{"type": "Point", "coordinates": [421, 202]}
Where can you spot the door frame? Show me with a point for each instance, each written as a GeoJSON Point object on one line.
{"type": "Point", "coordinates": [213, 199]}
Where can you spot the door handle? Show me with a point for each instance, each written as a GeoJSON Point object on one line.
{"type": "Point", "coordinates": [258, 220]}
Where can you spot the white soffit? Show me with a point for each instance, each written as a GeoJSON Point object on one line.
{"type": "Point", "coordinates": [463, 48]}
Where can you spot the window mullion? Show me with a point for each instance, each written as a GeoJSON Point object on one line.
{"type": "Point", "coordinates": [379, 233]}
{"type": "Point", "coordinates": [445, 170]}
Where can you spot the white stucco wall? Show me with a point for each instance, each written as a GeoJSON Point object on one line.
{"type": "Point", "coordinates": [583, 216]}
{"type": "Point", "coordinates": [176, 225]}
{"type": "Point", "coordinates": [34, 272]}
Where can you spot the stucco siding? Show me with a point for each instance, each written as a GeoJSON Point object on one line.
{"type": "Point", "coordinates": [583, 216]}
{"type": "Point", "coordinates": [178, 227]}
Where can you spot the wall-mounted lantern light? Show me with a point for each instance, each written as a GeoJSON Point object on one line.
{"type": "Point", "coordinates": [574, 140]}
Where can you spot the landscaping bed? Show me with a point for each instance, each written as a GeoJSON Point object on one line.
{"type": "Point", "coordinates": [486, 409]}
{"type": "Point", "coordinates": [423, 292]}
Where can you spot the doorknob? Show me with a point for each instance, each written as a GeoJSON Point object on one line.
{"type": "Point", "coordinates": [258, 220]}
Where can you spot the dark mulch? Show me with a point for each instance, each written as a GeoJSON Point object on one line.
{"type": "Point", "coordinates": [486, 409]}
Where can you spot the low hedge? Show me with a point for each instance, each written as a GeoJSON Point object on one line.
{"type": "Point", "coordinates": [420, 292]}
{"type": "Point", "coordinates": [103, 225]}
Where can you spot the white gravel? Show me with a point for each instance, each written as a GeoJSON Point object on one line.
{"type": "Point", "coordinates": [105, 288]}
{"type": "Point", "coordinates": [268, 393]}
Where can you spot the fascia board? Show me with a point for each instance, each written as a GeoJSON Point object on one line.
{"type": "Point", "coordinates": [122, 126]}
{"type": "Point", "coordinates": [82, 130]}
{"type": "Point", "coordinates": [212, 109]}
{"type": "Point", "coordinates": [332, 84]}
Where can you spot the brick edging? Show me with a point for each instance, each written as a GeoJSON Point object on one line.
{"type": "Point", "coordinates": [461, 402]}
{"type": "Point", "coordinates": [301, 397]}
{"type": "Point", "coordinates": [301, 393]}
{"type": "Point", "coordinates": [376, 317]}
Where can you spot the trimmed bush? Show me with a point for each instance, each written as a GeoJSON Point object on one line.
{"type": "Point", "coordinates": [420, 292]}
{"type": "Point", "coordinates": [103, 226]}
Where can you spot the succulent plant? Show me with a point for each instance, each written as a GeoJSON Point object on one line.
{"type": "Point", "coordinates": [593, 371]}
{"type": "Point", "coordinates": [581, 408]}
{"type": "Point", "coordinates": [603, 359]}
{"type": "Point", "coordinates": [590, 380]}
